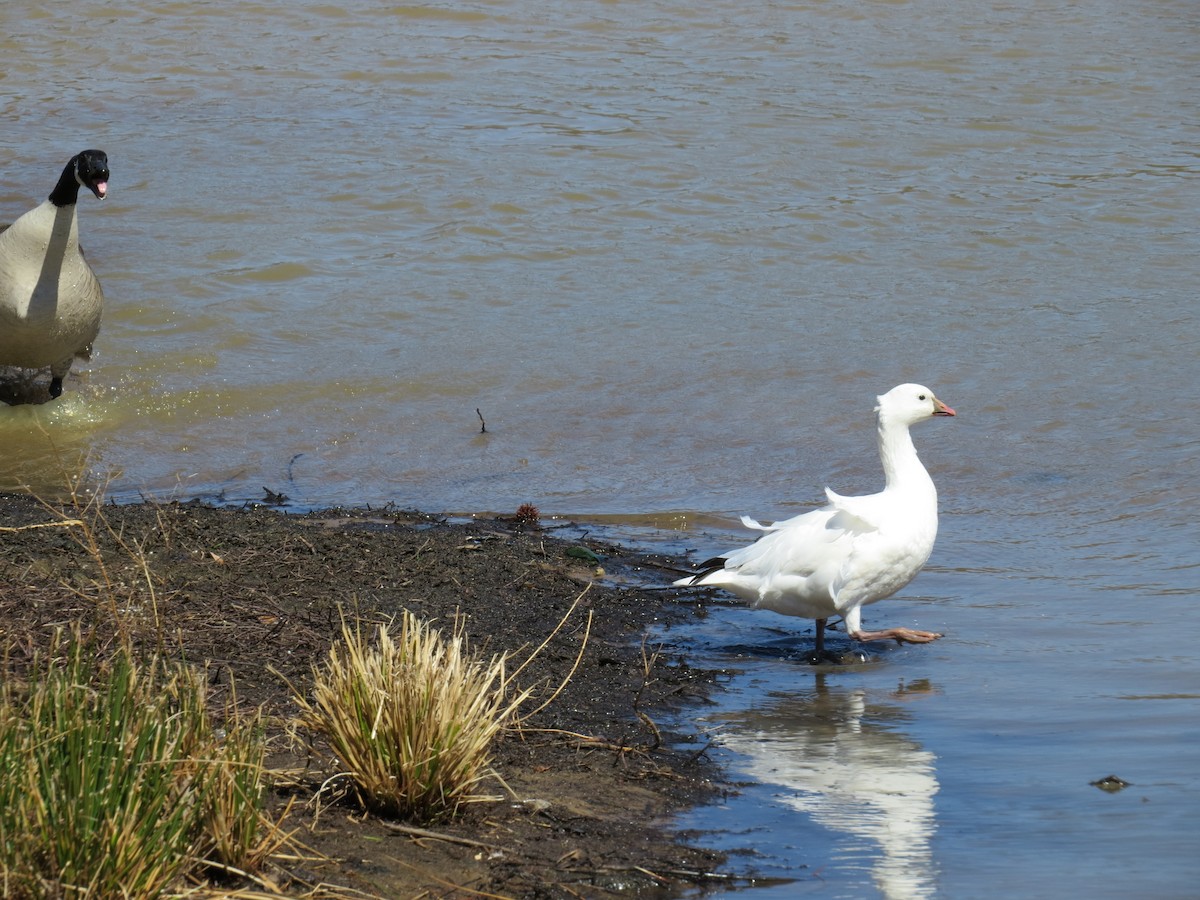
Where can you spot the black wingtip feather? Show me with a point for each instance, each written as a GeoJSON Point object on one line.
{"type": "Point", "coordinates": [716, 564]}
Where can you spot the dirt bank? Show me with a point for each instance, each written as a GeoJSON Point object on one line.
{"type": "Point", "coordinates": [586, 786]}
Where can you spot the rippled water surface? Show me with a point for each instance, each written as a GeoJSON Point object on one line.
{"type": "Point", "coordinates": [669, 253]}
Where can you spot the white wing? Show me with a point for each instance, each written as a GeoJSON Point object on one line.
{"type": "Point", "coordinates": [796, 566]}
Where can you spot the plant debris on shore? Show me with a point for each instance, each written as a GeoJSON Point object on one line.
{"type": "Point", "coordinates": [581, 782]}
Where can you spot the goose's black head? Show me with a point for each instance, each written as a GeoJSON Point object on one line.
{"type": "Point", "coordinates": [88, 169]}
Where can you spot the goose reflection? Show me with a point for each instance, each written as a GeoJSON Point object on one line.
{"type": "Point", "coordinates": [844, 764]}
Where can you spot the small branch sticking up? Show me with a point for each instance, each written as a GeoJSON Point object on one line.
{"type": "Point", "coordinates": [648, 662]}
{"type": "Point", "coordinates": [482, 424]}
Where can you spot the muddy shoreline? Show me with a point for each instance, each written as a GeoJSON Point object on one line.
{"type": "Point", "coordinates": [586, 787]}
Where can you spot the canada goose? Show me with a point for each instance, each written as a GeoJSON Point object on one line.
{"type": "Point", "coordinates": [854, 551]}
{"type": "Point", "coordinates": [50, 299]}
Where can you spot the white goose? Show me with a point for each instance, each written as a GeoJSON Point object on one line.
{"type": "Point", "coordinates": [50, 299]}
{"type": "Point", "coordinates": [857, 550]}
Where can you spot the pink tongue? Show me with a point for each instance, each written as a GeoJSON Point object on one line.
{"type": "Point", "coordinates": [101, 189]}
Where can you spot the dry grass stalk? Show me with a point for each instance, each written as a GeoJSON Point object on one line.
{"type": "Point", "coordinates": [525, 717]}
{"type": "Point", "coordinates": [64, 523]}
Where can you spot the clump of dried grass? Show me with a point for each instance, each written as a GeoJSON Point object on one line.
{"type": "Point", "coordinates": [238, 836]}
{"type": "Point", "coordinates": [412, 718]}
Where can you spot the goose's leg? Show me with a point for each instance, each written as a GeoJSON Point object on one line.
{"type": "Point", "coordinates": [820, 654]}
{"type": "Point", "coordinates": [899, 635]}
{"type": "Point", "coordinates": [58, 372]}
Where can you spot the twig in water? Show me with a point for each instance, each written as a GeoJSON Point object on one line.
{"type": "Point", "coordinates": [274, 498]}
{"type": "Point", "coordinates": [291, 467]}
{"type": "Point", "coordinates": [482, 424]}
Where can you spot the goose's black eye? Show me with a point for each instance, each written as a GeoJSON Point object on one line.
{"type": "Point", "coordinates": [922, 397]}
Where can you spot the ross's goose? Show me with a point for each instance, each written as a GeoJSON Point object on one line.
{"type": "Point", "coordinates": [854, 551]}
{"type": "Point", "coordinates": [50, 299]}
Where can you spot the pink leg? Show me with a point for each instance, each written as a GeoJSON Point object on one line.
{"type": "Point", "coordinates": [899, 635]}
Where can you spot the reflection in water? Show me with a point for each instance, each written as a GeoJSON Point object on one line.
{"type": "Point", "coordinates": [852, 773]}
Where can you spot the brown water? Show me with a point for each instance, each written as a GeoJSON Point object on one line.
{"type": "Point", "coordinates": [670, 252]}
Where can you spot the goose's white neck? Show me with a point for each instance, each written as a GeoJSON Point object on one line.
{"type": "Point", "coordinates": [902, 469]}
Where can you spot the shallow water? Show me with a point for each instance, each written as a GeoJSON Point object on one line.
{"type": "Point", "coordinates": [670, 254]}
